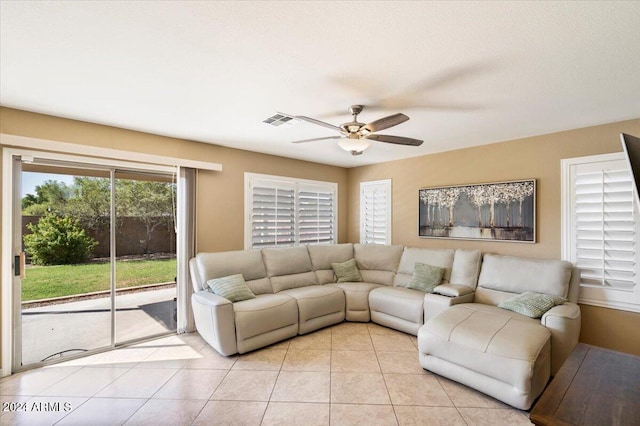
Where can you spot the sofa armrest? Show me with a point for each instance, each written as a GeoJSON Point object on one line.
{"type": "Point", "coordinates": [215, 321]}
{"type": "Point", "coordinates": [563, 321]}
{"type": "Point", "coordinates": [453, 290]}
{"type": "Point", "coordinates": [436, 303]}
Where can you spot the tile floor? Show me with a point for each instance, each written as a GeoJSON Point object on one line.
{"type": "Point", "coordinates": [351, 373]}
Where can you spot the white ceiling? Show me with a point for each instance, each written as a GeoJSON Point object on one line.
{"type": "Point", "coordinates": [467, 73]}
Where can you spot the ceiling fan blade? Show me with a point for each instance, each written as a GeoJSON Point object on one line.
{"type": "Point", "coordinates": [399, 140]}
{"type": "Point", "coordinates": [318, 122]}
{"type": "Point", "coordinates": [317, 139]}
{"type": "Point", "coordinates": [386, 122]}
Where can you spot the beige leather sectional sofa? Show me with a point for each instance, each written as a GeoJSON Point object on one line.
{"type": "Point", "coordinates": [462, 334]}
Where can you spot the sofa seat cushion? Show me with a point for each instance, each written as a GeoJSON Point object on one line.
{"type": "Point", "coordinates": [263, 314]}
{"type": "Point", "coordinates": [500, 344]}
{"type": "Point", "coordinates": [357, 294]}
{"type": "Point", "coordinates": [398, 302]}
{"type": "Point", "coordinates": [317, 301]}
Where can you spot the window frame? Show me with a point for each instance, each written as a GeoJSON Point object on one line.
{"type": "Point", "coordinates": [298, 185]}
{"type": "Point", "coordinates": [613, 298]}
{"type": "Point", "coordinates": [386, 185]}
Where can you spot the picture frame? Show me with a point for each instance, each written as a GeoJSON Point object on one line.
{"type": "Point", "coordinates": [497, 211]}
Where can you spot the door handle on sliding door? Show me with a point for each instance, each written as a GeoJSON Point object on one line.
{"type": "Point", "coordinates": [19, 263]}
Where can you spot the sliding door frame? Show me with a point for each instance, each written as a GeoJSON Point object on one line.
{"type": "Point", "coordinates": [11, 216]}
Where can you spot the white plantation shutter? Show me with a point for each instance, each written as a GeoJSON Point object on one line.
{"type": "Point", "coordinates": [316, 207]}
{"type": "Point", "coordinates": [272, 215]}
{"type": "Point", "coordinates": [604, 233]}
{"type": "Point", "coordinates": [375, 212]}
{"type": "Point", "coordinates": [286, 212]}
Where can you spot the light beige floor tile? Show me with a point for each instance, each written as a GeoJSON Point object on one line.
{"type": "Point", "coordinates": [174, 356]}
{"type": "Point", "coordinates": [231, 413]}
{"type": "Point", "coordinates": [494, 417]}
{"type": "Point", "coordinates": [246, 386]}
{"type": "Point", "coordinates": [33, 382]}
{"type": "Point", "coordinates": [168, 412]}
{"type": "Point", "coordinates": [191, 384]}
{"type": "Point", "coordinates": [209, 358]}
{"type": "Point", "coordinates": [171, 340]}
{"type": "Point", "coordinates": [463, 396]}
{"type": "Point", "coordinates": [124, 357]}
{"type": "Point", "coordinates": [414, 340]}
{"type": "Point", "coordinates": [372, 415]}
{"type": "Point", "coordinates": [103, 412]}
{"type": "Point", "coordinates": [264, 359]}
{"type": "Point", "coordinates": [307, 360]}
{"type": "Point", "coordinates": [416, 389]}
{"type": "Point", "coordinates": [318, 340]}
{"type": "Point", "coordinates": [193, 339]}
{"type": "Point", "coordinates": [302, 386]}
{"type": "Point", "coordinates": [291, 413]}
{"type": "Point", "coordinates": [379, 329]}
{"type": "Point", "coordinates": [43, 410]}
{"type": "Point", "coordinates": [358, 388]}
{"type": "Point", "coordinates": [351, 342]}
{"type": "Point", "coordinates": [428, 416]}
{"type": "Point", "coordinates": [354, 362]}
{"type": "Point", "coordinates": [280, 345]}
{"type": "Point", "coordinates": [393, 342]}
{"type": "Point", "coordinates": [87, 382]}
{"type": "Point", "coordinates": [83, 361]}
{"type": "Point", "coordinates": [400, 362]}
{"type": "Point", "coordinates": [350, 328]}
{"type": "Point", "coordinates": [137, 383]}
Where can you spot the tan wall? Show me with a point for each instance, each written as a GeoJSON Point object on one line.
{"type": "Point", "coordinates": [220, 194]}
{"type": "Point", "coordinates": [536, 157]}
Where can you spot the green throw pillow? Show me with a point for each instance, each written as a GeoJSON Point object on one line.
{"type": "Point", "coordinates": [232, 288]}
{"type": "Point", "coordinates": [425, 277]}
{"type": "Point", "coordinates": [532, 304]}
{"type": "Point", "coordinates": [347, 272]}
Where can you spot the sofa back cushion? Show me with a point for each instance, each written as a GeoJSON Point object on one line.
{"type": "Point", "coordinates": [289, 268]}
{"type": "Point", "coordinates": [377, 263]}
{"type": "Point", "coordinates": [322, 256]}
{"type": "Point", "coordinates": [466, 268]}
{"type": "Point", "coordinates": [442, 258]}
{"type": "Point", "coordinates": [246, 262]}
{"type": "Point", "coordinates": [503, 276]}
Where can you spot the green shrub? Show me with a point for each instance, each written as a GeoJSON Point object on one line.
{"type": "Point", "coordinates": [58, 240]}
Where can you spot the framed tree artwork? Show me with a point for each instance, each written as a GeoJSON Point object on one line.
{"type": "Point", "coordinates": [502, 211]}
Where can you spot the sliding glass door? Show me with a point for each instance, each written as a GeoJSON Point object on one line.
{"type": "Point", "coordinates": [145, 264]}
{"type": "Point", "coordinates": [95, 258]}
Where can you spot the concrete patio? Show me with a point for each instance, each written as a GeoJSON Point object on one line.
{"type": "Point", "coordinates": [86, 324]}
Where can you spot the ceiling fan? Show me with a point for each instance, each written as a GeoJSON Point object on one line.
{"type": "Point", "coordinates": [354, 136]}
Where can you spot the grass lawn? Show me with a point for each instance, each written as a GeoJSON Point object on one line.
{"type": "Point", "coordinates": [43, 282]}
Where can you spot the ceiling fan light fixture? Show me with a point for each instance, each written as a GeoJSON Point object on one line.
{"type": "Point", "coordinates": [351, 145]}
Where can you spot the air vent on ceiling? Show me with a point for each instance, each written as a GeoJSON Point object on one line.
{"type": "Point", "coordinates": [279, 119]}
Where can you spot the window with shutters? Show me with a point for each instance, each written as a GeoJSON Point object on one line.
{"type": "Point", "coordinates": [601, 230]}
{"type": "Point", "coordinates": [375, 212]}
{"type": "Point", "coordinates": [283, 211]}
